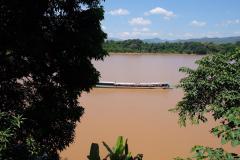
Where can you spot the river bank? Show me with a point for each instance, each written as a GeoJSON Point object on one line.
{"type": "Point", "coordinates": [147, 53]}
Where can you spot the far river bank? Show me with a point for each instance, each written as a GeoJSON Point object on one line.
{"type": "Point", "coordinates": [150, 53]}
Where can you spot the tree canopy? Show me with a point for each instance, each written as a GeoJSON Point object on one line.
{"type": "Point", "coordinates": [46, 48]}
{"type": "Point", "coordinates": [213, 88]}
{"type": "Point", "coordinates": [139, 46]}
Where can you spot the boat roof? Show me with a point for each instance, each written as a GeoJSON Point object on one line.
{"type": "Point", "coordinates": [106, 82]}
{"type": "Point", "coordinates": [123, 83]}
{"type": "Point", "coordinates": [127, 83]}
{"type": "Point", "coordinates": [155, 83]}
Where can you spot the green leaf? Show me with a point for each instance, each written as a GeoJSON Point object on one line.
{"type": "Point", "coordinates": [119, 147]}
{"type": "Point", "coordinates": [107, 147]}
{"type": "Point", "coordinates": [224, 140]}
{"type": "Point", "coordinates": [94, 152]}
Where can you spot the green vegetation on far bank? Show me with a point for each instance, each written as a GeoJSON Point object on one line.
{"type": "Point", "coordinates": [138, 46]}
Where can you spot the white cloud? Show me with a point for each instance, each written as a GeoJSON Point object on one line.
{"type": "Point", "coordinates": [104, 27]}
{"type": "Point", "coordinates": [140, 21]}
{"type": "Point", "coordinates": [141, 29]}
{"type": "Point", "coordinates": [188, 35]}
{"type": "Point", "coordinates": [154, 34]}
{"type": "Point", "coordinates": [161, 11]}
{"type": "Point", "coordinates": [125, 34]}
{"type": "Point", "coordinates": [236, 21]}
{"type": "Point", "coordinates": [119, 12]}
{"type": "Point", "coordinates": [230, 22]}
{"type": "Point", "coordinates": [137, 34]}
{"type": "Point", "coordinates": [236, 33]}
{"type": "Point", "coordinates": [198, 23]}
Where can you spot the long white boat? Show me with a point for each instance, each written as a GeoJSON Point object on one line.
{"type": "Point", "coordinates": [154, 85]}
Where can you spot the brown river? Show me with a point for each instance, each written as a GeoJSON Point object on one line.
{"type": "Point", "coordinates": [141, 115]}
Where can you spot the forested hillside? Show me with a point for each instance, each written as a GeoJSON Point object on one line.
{"type": "Point", "coordinates": [138, 46]}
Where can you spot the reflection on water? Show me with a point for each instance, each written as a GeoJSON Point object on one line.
{"type": "Point", "coordinates": [140, 115]}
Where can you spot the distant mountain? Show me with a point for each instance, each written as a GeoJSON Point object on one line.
{"type": "Point", "coordinates": [114, 39]}
{"type": "Point", "coordinates": [213, 40]}
{"type": "Point", "coordinates": [154, 40]}
{"type": "Point", "coordinates": [203, 40]}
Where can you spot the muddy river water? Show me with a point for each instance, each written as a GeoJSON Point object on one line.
{"type": "Point", "coordinates": [141, 115]}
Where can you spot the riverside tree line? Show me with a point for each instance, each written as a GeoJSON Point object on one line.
{"type": "Point", "coordinates": [139, 46]}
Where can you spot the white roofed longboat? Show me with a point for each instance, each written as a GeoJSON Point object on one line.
{"type": "Point", "coordinates": [109, 84]}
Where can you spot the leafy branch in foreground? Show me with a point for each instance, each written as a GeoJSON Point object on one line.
{"type": "Point", "coordinates": [206, 153]}
{"type": "Point", "coordinates": [229, 131]}
{"type": "Point", "coordinates": [213, 88]}
{"type": "Point", "coordinates": [119, 152]}
{"type": "Point", "coordinates": [46, 53]}
{"type": "Point", "coordinates": [9, 124]}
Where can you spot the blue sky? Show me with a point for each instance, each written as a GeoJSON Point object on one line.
{"type": "Point", "coordinates": [171, 19]}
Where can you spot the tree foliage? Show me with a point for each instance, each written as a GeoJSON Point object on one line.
{"type": "Point", "coordinates": [206, 153]}
{"type": "Point", "coordinates": [214, 88]}
{"type": "Point", "coordinates": [138, 46]}
{"type": "Point", "coordinates": [46, 48]}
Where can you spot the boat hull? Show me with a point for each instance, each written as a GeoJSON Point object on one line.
{"type": "Point", "coordinates": [133, 85]}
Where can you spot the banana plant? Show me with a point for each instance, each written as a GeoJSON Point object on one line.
{"type": "Point", "coordinates": [119, 152]}
{"type": "Point", "coordinates": [94, 152]}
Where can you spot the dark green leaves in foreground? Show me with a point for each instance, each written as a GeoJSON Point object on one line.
{"type": "Point", "coordinates": [46, 49]}
{"type": "Point", "coordinates": [213, 89]}
{"type": "Point", "coordinates": [9, 125]}
{"type": "Point", "coordinates": [229, 131]}
{"type": "Point", "coordinates": [206, 153]}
